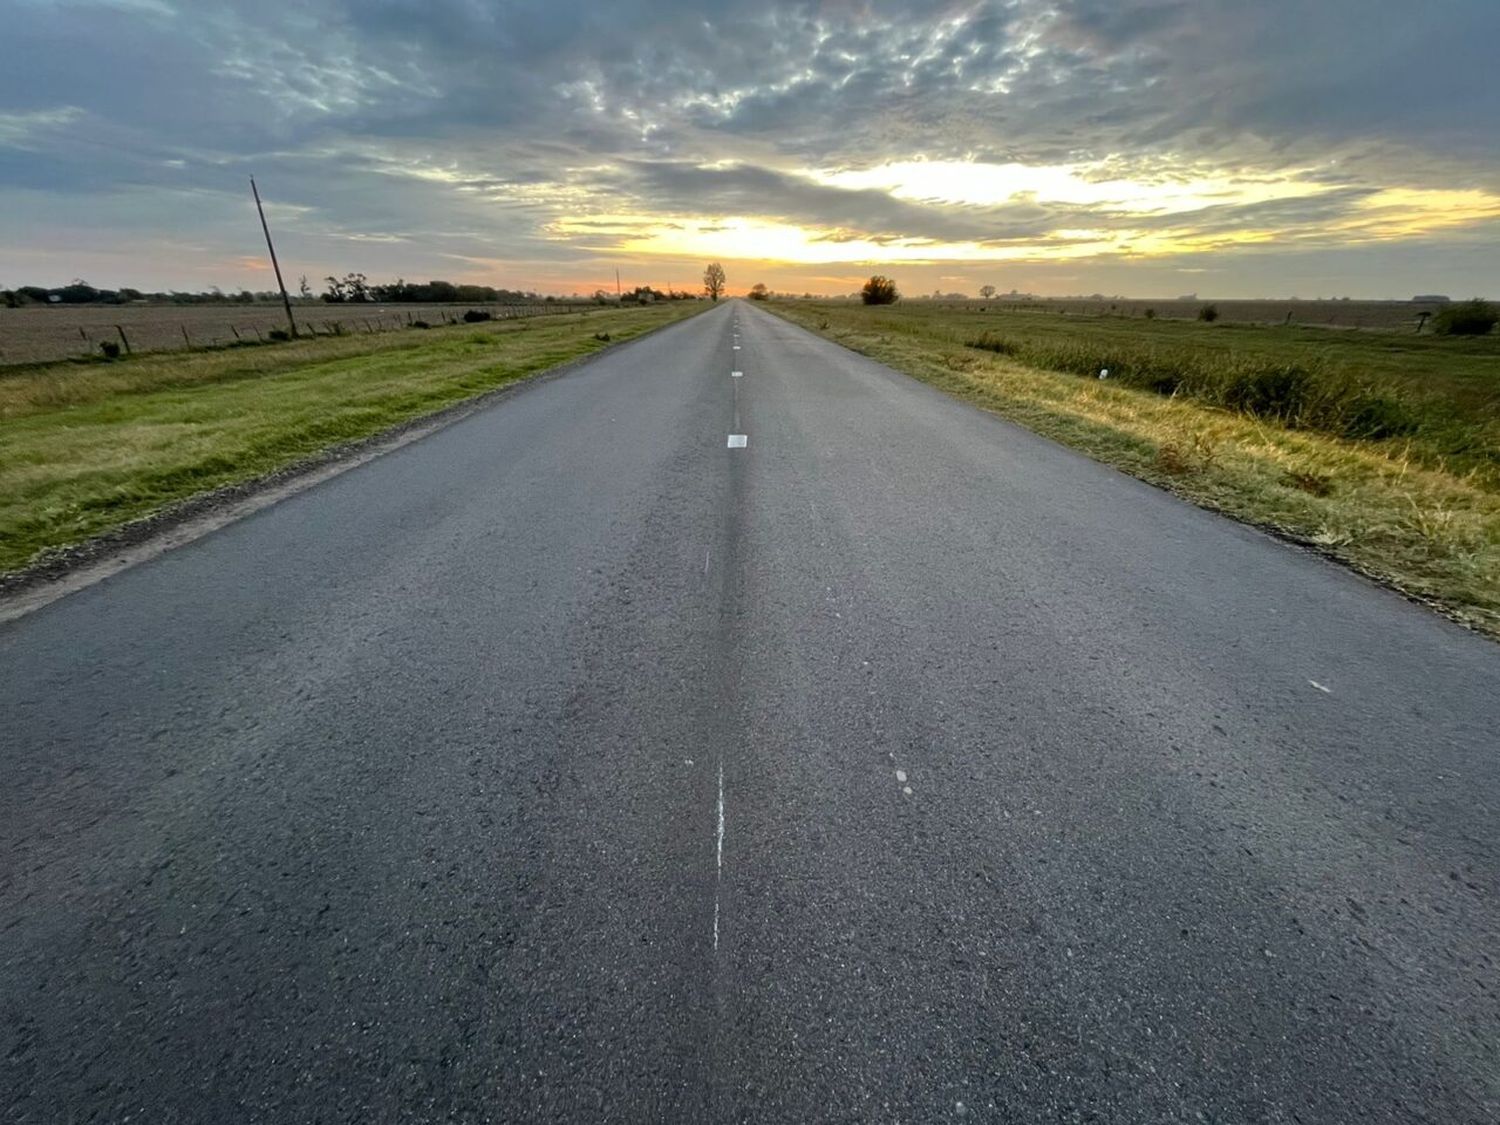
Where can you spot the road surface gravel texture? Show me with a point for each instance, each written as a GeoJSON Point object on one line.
{"type": "Point", "coordinates": [1044, 796]}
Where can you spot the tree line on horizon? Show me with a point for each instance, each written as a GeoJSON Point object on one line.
{"type": "Point", "coordinates": [352, 288]}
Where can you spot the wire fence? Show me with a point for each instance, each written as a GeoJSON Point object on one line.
{"type": "Point", "coordinates": [43, 334]}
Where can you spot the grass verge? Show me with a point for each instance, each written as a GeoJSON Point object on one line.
{"type": "Point", "coordinates": [86, 449]}
{"type": "Point", "coordinates": [1416, 506]}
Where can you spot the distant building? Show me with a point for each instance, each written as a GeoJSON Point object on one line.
{"type": "Point", "coordinates": [1432, 299]}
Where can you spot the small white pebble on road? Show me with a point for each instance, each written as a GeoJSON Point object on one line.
{"type": "Point", "coordinates": [901, 776]}
{"type": "Point", "coordinates": [907, 790]}
{"type": "Point", "coordinates": [738, 441]}
{"type": "Point", "coordinates": [1320, 687]}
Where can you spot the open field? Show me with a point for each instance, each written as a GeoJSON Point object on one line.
{"type": "Point", "coordinates": [43, 333]}
{"type": "Point", "coordinates": [1393, 316]}
{"type": "Point", "coordinates": [1380, 449]}
{"type": "Point", "coordinates": [85, 448]}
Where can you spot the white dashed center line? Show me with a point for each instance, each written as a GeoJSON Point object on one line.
{"type": "Point", "coordinates": [1320, 687]}
{"type": "Point", "coordinates": [736, 374]}
{"type": "Point", "coordinates": [738, 441]}
{"type": "Point", "coordinates": [719, 857]}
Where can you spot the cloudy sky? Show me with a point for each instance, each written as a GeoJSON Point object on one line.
{"type": "Point", "coordinates": [1144, 147]}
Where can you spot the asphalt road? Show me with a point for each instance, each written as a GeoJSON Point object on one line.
{"type": "Point", "coordinates": [899, 766]}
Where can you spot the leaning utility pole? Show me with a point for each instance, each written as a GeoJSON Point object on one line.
{"type": "Point", "coordinates": [275, 265]}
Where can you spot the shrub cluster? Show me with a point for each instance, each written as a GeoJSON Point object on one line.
{"type": "Point", "coordinates": [1471, 318]}
{"type": "Point", "coordinates": [879, 290]}
{"type": "Point", "coordinates": [1299, 396]}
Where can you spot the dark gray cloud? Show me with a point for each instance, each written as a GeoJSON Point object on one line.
{"type": "Point", "coordinates": [417, 132]}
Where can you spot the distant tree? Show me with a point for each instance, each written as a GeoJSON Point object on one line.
{"type": "Point", "coordinates": [1208, 313]}
{"type": "Point", "coordinates": [1471, 318]}
{"type": "Point", "coordinates": [713, 280]}
{"type": "Point", "coordinates": [350, 287]}
{"type": "Point", "coordinates": [759, 292]}
{"type": "Point", "coordinates": [879, 291]}
{"type": "Point", "coordinates": [986, 291]}
{"type": "Point", "coordinates": [304, 289]}
{"type": "Point", "coordinates": [80, 292]}
{"type": "Point", "coordinates": [642, 295]}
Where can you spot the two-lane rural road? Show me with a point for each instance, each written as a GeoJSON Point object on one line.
{"type": "Point", "coordinates": [897, 766]}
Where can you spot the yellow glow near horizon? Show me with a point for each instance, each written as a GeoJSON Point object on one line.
{"type": "Point", "coordinates": [746, 239]}
{"type": "Point", "coordinates": [1078, 185]}
{"type": "Point", "coordinates": [1385, 214]}
{"type": "Point", "coordinates": [764, 240]}
{"type": "Point", "coordinates": [1405, 212]}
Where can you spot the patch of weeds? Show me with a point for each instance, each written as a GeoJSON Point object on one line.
{"type": "Point", "coordinates": [1171, 458]}
{"type": "Point", "coordinates": [989, 342]}
{"type": "Point", "coordinates": [1181, 458]}
{"type": "Point", "coordinates": [1314, 484]}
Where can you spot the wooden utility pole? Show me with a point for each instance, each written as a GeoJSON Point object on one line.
{"type": "Point", "coordinates": [275, 265]}
{"type": "Point", "coordinates": [617, 283]}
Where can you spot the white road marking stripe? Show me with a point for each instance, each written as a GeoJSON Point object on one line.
{"type": "Point", "coordinates": [719, 857]}
{"type": "Point", "coordinates": [737, 374]}
{"type": "Point", "coordinates": [738, 441]}
{"type": "Point", "coordinates": [1320, 687]}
